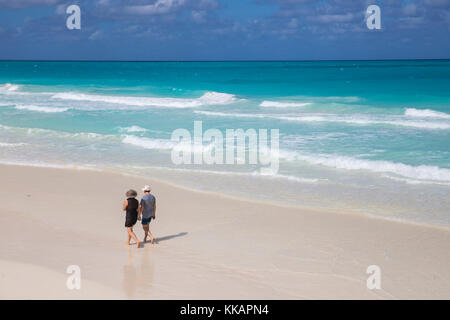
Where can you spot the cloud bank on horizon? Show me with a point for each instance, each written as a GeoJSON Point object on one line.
{"type": "Point", "coordinates": [224, 30]}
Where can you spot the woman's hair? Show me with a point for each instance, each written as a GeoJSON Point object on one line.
{"type": "Point", "coordinates": [131, 193]}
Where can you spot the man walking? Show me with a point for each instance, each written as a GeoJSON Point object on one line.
{"type": "Point", "coordinates": [147, 211]}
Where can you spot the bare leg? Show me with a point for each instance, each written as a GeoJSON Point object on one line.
{"type": "Point", "coordinates": [129, 238]}
{"type": "Point", "coordinates": [150, 234]}
{"type": "Point", "coordinates": [145, 227]}
{"type": "Point", "coordinates": [132, 235]}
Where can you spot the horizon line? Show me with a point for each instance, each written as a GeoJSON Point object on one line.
{"type": "Point", "coordinates": [229, 60]}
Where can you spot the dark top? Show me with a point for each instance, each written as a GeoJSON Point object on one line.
{"type": "Point", "coordinates": [132, 206]}
{"type": "Point", "coordinates": [131, 212]}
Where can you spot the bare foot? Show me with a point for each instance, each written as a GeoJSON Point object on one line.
{"type": "Point", "coordinates": [127, 243]}
{"type": "Point", "coordinates": [153, 240]}
{"type": "Point", "coordinates": [138, 244]}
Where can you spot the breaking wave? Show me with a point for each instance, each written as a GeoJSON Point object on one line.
{"type": "Point", "coordinates": [133, 129]}
{"type": "Point", "coordinates": [8, 87]}
{"type": "Point", "coordinates": [41, 109]}
{"type": "Point", "coordinates": [209, 98]}
{"type": "Point", "coordinates": [276, 104]}
{"type": "Point", "coordinates": [334, 118]}
{"type": "Point", "coordinates": [422, 172]}
{"type": "Point", "coordinates": [426, 113]}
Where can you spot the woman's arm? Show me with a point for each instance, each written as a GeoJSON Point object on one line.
{"type": "Point", "coordinates": [125, 205]}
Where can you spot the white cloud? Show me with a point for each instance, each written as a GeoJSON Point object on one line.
{"type": "Point", "coordinates": [293, 23]}
{"type": "Point", "coordinates": [207, 4]}
{"type": "Point", "coordinates": [436, 3]}
{"type": "Point", "coordinates": [409, 9]}
{"type": "Point", "coordinates": [96, 35]}
{"type": "Point", "coordinates": [410, 22]}
{"type": "Point", "coordinates": [27, 3]}
{"type": "Point", "coordinates": [198, 16]}
{"type": "Point", "coordinates": [159, 7]}
{"type": "Point", "coordinates": [61, 9]}
{"type": "Point", "coordinates": [327, 18]}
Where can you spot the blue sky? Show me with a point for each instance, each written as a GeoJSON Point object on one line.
{"type": "Point", "coordinates": [224, 30]}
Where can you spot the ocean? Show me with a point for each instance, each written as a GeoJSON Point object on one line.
{"type": "Point", "coordinates": [363, 137]}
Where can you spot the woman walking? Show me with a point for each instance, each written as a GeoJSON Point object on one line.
{"type": "Point", "coordinates": [131, 206]}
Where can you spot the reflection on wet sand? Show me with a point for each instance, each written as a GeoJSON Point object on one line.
{"type": "Point", "coordinates": [138, 281]}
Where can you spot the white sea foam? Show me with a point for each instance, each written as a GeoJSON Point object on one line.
{"type": "Point", "coordinates": [367, 121]}
{"type": "Point", "coordinates": [9, 87]}
{"type": "Point", "coordinates": [148, 143]}
{"type": "Point", "coordinates": [12, 90]}
{"type": "Point", "coordinates": [329, 99]}
{"type": "Point", "coordinates": [416, 124]}
{"type": "Point", "coordinates": [426, 113]}
{"type": "Point", "coordinates": [233, 115]}
{"type": "Point", "coordinates": [133, 129]}
{"type": "Point", "coordinates": [165, 144]}
{"type": "Point", "coordinates": [11, 145]}
{"type": "Point", "coordinates": [414, 182]}
{"type": "Point", "coordinates": [352, 119]}
{"type": "Point", "coordinates": [53, 134]}
{"type": "Point", "coordinates": [277, 104]}
{"type": "Point", "coordinates": [209, 98]}
{"type": "Point", "coordinates": [40, 164]}
{"type": "Point", "coordinates": [422, 172]}
{"type": "Point", "coordinates": [288, 177]}
{"type": "Point", "coordinates": [256, 174]}
{"type": "Point", "coordinates": [41, 109]}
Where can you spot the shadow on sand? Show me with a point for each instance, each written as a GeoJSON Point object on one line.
{"type": "Point", "coordinates": [181, 234]}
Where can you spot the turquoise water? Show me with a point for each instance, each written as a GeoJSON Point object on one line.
{"type": "Point", "coordinates": [371, 137]}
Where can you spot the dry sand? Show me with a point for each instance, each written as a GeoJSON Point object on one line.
{"type": "Point", "coordinates": [208, 246]}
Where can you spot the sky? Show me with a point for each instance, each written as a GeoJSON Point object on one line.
{"type": "Point", "coordinates": [224, 30]}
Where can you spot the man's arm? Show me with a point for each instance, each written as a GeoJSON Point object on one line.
{"type": "Point", "coordinates": [141, 207]}
{"type": "Point", "coordinates": [125, 204]}
{"type": "Point", "coordinates": [154, 211]}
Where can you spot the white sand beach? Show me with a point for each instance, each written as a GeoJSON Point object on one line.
{"type": "Point", "coordinates": [208, 246]}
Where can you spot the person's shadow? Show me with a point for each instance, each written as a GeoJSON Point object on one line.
{"type": "Point", "coordinates": [181, 234]}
